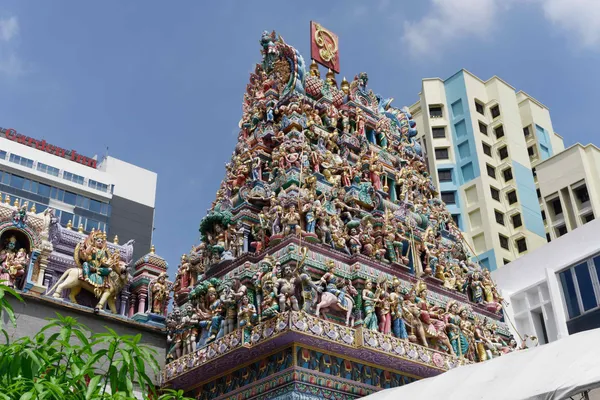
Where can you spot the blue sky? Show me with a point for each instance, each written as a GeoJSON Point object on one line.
{"type": "Point", "coordinates": [160, 83]}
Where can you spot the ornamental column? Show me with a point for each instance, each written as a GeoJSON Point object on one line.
{"type": "Point", "coordinates": [142, 302]}
{"type": "Point", "coordinates": [132, 301]}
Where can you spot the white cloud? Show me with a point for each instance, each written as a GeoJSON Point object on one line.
{"type": "Point", "coordinates": [448, 21]}
{"type": "Point", "coordinates": [578, 17]}
{"type": "Point", "coordinates": [9, 28]}
{"type": "Point", "coordinates": [10, 63]}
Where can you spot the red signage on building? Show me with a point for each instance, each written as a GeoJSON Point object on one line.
{"type": "Point", "coordinates": [324, 47]}
{"type": "Point", "coordinates": [72, 155]}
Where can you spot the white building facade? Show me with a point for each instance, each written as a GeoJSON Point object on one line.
{"type": "Point", "coordinates": [112, 196]}
{"type": "Point", "coordinates": [554, 291]}
{"type": "Point", "coordinates": [482, 139]}
{"type": "Point", "coordinates": [569, 185]}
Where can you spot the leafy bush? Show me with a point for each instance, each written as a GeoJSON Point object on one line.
{"type": "Point", "coordinates": [65, 360]}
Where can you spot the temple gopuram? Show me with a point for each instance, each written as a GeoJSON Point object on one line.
{"type": "Point", "coordinates": [328, 266]}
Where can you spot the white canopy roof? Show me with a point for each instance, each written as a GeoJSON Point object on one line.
{"type": "Point", "coordinates": [552, 371]}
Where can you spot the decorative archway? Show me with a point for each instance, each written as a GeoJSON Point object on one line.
{"type": "Point", "coordinates": [29, 240]}
{"type": "Point", "coordinates": [25, 236]}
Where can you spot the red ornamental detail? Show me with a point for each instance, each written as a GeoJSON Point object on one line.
{"type": "Point", "coordinates": [324, 47]}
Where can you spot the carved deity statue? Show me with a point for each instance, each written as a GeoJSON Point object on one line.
{"type": "Point", "coordinates": [159, 291]}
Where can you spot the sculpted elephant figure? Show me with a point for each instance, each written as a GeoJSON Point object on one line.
{"type": "Point", "coordinates": [71, 279]}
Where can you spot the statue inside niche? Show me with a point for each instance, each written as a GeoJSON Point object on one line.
{"type": "Point", "coordinates": [13, 261]}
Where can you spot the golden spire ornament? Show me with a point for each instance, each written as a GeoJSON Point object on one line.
{"type": "Point", "coordinates": [314, 69]}
{"type": "Point", "coordinates": [69, 225]}
{"type": "Point", "coordinates": [16, 203]}
{"type": "Point", "coordinates": [116, 239]}
{"type": "Point", "coordinates": [6, 199]}
{"type": "Point", "coordinates": [330, 78]}
{"type": "Point", "coordinates": [80, 229]}
{"type": "Point", "coordinates": [33, 210]}
{"type": "Point", "coordinates": [152, 249]}
{"type": "Point", "coordinates": [345, 86]}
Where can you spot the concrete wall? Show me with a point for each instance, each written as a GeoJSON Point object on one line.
{"type": "Point", "coordinates": [131, 182]}
{"type": "Point", "coordinates": [33, 313]}
{"type": "Point", "coordinates": [131, 220]}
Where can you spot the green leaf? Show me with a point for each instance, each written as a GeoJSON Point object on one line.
{"type": "Point", "coordinates": [92, 387]}
{"type": "Point", "coordinates": [26, 396]}
{"type": "Point", "coordinates": [114, 380]}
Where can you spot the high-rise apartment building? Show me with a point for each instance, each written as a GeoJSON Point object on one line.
{"type": "Point", "coordinates": [569, 189]}
{"type": "Point", "coordinates": [483, 140]}
{"type": "Point", "coordinates": [112, 195]}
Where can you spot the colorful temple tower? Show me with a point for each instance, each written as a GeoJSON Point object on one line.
{"type": "Point", "coordinates": [149, 289]}
{"type": "Point", "coordinates": [328, 267]}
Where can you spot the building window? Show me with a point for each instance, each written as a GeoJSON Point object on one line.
{"type": "Point", "coordinates": [588, 218]}
{"type": "Point", "coordinates": [534, 172]}
{"type": "Point", "coordinates": [503, 152]}
{"type": "Point", "coordinates": [578, 284]}
{"type": "Point", "coordinates": [441, 154]}
{"type": "Point", "coordinates": [548, 237]}
{"type": "Point", "coordinates": [73, 177]}
{"type": "Point", "coordinates": [582, 194]}
{"type": "Point", "coordinates": [97, 185]}
{"type": "Point", "coordinates": [495, 193]}
{"type": "Point", "coordinates": [521, 245]}
{"type": "Point", "coordinates": [543, 215]}
{"type": "Point", "coordinates": [561, 230]}
{"type": "Point", "coordinates": [507, 173]}
{"type": "Point", "coordinates": [503, 241]}
{"type": "Point", "coordinates": [456, 219]}
{"type": "Point", "coordinates": [568, 286]}
{"type": "Point", "coordinates": [512, 197]}
{"type": "Point", "coordinates": [516, 220]}
{"type": "Point", "coordinates": [487, 150]}
{"type": "Point", "coordinates": [539, 193]}
{"type": "Point", "coordinates": [526, 132]}
{"type": "Point", "coordinates": [557, 206]}
{"type": "Point", "coordinates": [499, 217]}
{"type": "Point", "coordinates": [26, 162]}
{"type": "Point", "coordinates": [47, 169]}
{"type": "Point", "coordinates": [491, 171]}
{"type": "Point", "coordinates": [449, 197]}
{"type": "Point", "coordinates": [435, 112]}
{"type": "Point", "coordinates": [479, 107]}
{"type": "Point", "coordinates": [505, 261]}
{"type": "Point", "coordinates": [483, 128]}
{"type": "Point", "coordinates": [499, 132]}
{"type": "Point", "coordinates": [439, 132]}
{"type": "Point", "coordinates": [495, 110]}
{"type": "Point", "coordinates": [3, 154]}
{"type": "Point", "coordinates": [445, 175]}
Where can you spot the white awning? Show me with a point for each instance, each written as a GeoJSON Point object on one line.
{"type": "Point", "coordinates": [552, 371]}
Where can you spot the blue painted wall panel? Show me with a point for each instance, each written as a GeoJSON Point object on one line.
{"type": "Point", "coordinates": [530, 206]}
{"type": "Point", "coordinates": [487, 260]}
{"type": "Point", "coordinates": [461, 126]}
{"type": "Point", "coordinates": [543, 138]}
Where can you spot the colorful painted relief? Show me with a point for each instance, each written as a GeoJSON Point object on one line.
{"type": "Point", "coordinates": [327, 210]}
{"type": "Point", "coordinates": [311, 367]}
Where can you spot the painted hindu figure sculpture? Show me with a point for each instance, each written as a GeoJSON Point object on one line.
{"type": "Point", "coordinates": [98, 271]}
{"type": "Point", "coordinates": [327, 210]}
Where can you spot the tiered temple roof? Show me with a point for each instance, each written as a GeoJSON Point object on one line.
{"type": "Point", "coordinates": [327, 259]}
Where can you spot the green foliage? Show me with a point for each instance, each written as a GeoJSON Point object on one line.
{"type": "Point", "coordinates": [66, 361]}
{"type": "Point", "coordinates": [214, 217]}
